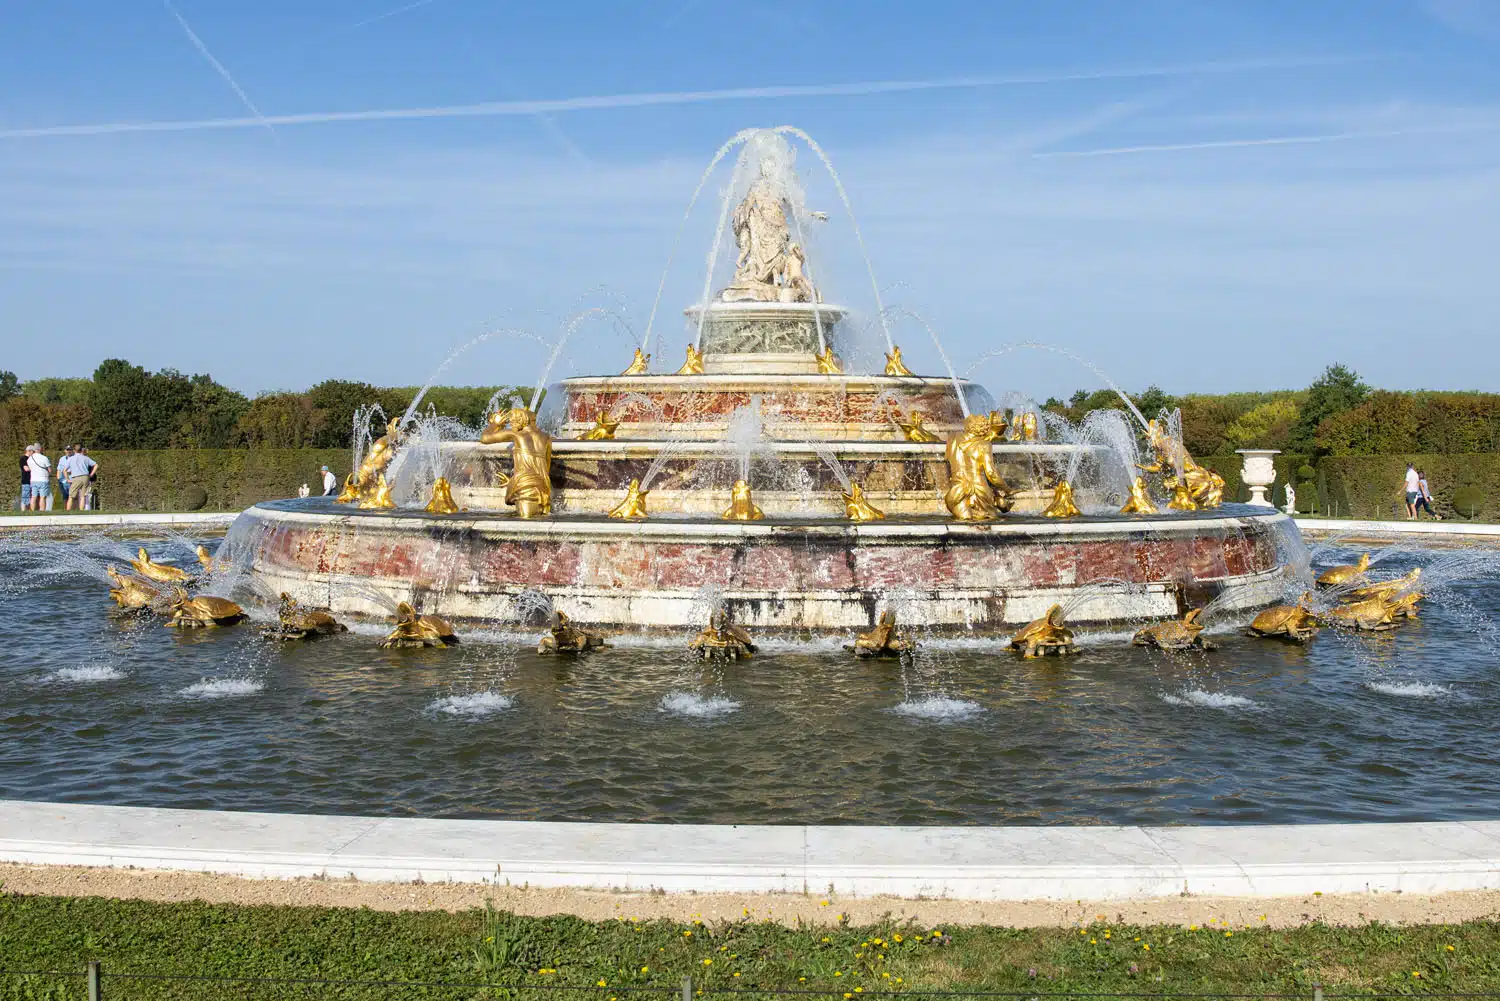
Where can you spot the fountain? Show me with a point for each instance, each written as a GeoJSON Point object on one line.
{"type": "Point", "coordinates": [801, 491]}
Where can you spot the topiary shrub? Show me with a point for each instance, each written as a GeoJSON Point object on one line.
{"type": "Point", "coordinates": [193, 498]}
{"type": "Point", "coordinates": [1305, 473]}
{"type": "Point", "coordinates": [1468, 501]}
{"type": "Point", "coordinates": [1307, 497]}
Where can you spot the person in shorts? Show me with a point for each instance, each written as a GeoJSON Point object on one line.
{"type": "Point", "coordinates": [41, 478]}
{"type": "Point", "coordinates": [79, 469]}
{"type": "Point", "coordinates": [26, 478]}
{"type": "Point", "coordinates": [1413, 491]}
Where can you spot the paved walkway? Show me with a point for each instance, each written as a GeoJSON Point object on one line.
{"type": "Point", "coordinates": [1449, 529]}
{"type": "Point", "coordinates": [975, 863]}
{"type": "Point", "coordinates": [104, 519]}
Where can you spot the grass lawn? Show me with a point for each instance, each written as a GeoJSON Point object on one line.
{"type": "Point", "coordinates": [615, 960]}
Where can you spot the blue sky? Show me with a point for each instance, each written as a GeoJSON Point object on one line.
{"type": "Point", "coordinates": [1204, 195]}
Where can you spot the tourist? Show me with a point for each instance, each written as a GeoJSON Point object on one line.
{"type": "Point", "coordinates": [1413, 491]}
{"type": "Point", "coordinates": [65, 470]}
{"type": "Point", "coordinates": [330, 482]}
{"type": "Point", "coordinates": [91, 495]}
{"type": "Point", "coordinates": [79, 469]}
{"type": "Point", "coordinates": [1424, 496]}
{"type": "Point", "coordinates": [41, 479]}
{"type": "Point", "coordinates": [26, 478]}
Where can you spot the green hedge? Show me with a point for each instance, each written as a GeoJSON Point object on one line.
{"type": "Point", "coordinates": [1373, 486]}
{"type": "Point", "coordinates": [233, 479]}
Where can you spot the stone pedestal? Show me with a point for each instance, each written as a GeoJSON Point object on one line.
{"type": "Point", "coordinates": [1259, 473]}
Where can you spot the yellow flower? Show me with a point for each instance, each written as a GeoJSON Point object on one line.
{"type": "Point", "coordinates": [1106, 935]}
{"type": "Point", "coordinates": [848, 995]}
{"type": "Point", "coordinates": [822, 903]}
{"type": "Point", "coordinates": [645, 969]}
{"type": "Point", "coordinates": [1192, 927]}
{"type": "Point", "coordinates": [838, 973]}
{"type": "Point", "coordinates": [1450, 948]}
{"type": "Point", "coordinates": [1229, 934]}
{"type": "Point", "coordinates": [898, 980]}
{"type": "Point", "coordinates": [603, 984]}
{"type": "Point", "coordinates": [801, 980]}
{"type": "Point", "coordinates": [825, 938]}
{"type": "Point", "coordinates": [736, 974]}
{"type": "Point", "coordinates": [937, 933]}
{"type": "Point", "coordinates": [886, 976]}
{"type": "Point", "coordinates": [687, 934]}
{"type": "Point", "coordinates": [859, 990]}
{"type": "Point", "coordinates": [898, 938]}
{"type": "Point", "coordinates": [708, 962]}
{"type": "Point", "coordinates": [1416, 973]}
{"type": "Point", "coordinates": [1146, 946]}
{"type": "Point", "coordinates": [1093, 941]}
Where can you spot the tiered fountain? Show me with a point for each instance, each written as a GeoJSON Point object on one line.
{"type": "Point", "coordinates": [798, 493]}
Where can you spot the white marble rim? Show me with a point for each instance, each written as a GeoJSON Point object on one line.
{"type": "Point", "coordinates": [723, 381]}
{"type": "Point", "coordinates": [1334, 526]}
{"type": "Point", "coordinates": [979, 863]}
{"type": "Point", "coordinates": [107, 520]}
{"type": "Point", "coordinates": [687, 449]}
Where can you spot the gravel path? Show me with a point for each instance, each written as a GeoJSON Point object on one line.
{"type": "Point", "coordinates": [1346, 909]}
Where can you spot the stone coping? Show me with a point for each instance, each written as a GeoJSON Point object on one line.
{"type": "Point", "coordinates": [663, 528]}
{"type": "Point", "coordinates": [728, 381]}
{"type": "Point", "coordinates": [104, 520]}
{"type": "Point", "coordinates": [688, 448]}
{"type": "Point", "coordinates": [970, 863]}
{"type": "Point", "coordinates": [1336, 526]}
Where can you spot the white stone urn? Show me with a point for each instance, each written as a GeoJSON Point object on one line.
{"type": "Point", "coordinates": [1259, 473]}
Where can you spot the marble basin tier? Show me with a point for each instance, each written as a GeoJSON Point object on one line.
{"type": "Point", "coordinates": [779, 575]}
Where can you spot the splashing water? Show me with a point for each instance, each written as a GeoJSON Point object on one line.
{"type": "Point", "coordinates": [475, 705]}
{"type": "Point", "coordinates": [1064, 352]}
{"type": "Point", "coordinates": [1207, 700]}
{"type": "Point", "coordinates": [696, 706]}
{"type": "Point", "coordinates": [95, 673]}
{"type": "Point", "coordinates": [220, 688]}
{"type": "Point", "coordinates": [1409, 689]}
{"type": "Point", "coordinates": [958, 390]}
{"type": "Point", "coordinates": [940, 708]}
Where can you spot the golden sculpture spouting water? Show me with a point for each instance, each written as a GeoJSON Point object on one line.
{"type": "Point", "coordinates": [1024, 427]}
{"type": "Point", "coordinates": [603, 429]}
{"type": "Point", "coordinates": [413, 630]}
{"type": "Point", "coordinates": [1043, 637]}
{"type": "Point", "coordinates": [893, 363]}
{"type": "Point", "coordinates": [741, 507]}
{"type": "Point", "coordinates": [1204, 486]}
{"type": "Point", "coordinates": [638, 364]}
{"type": "Point", "coordinates": [1337, 576]}
{"type": "Point", "coordinates": [1372, 614]}
{"type": "Point", "coordinates": [885, 640]}
{"type": "Point", "coordinates": [159, 572]}
{"type": "Point", "coordinates": [1182, 497]}
{"type": "Point", "coordinates": [1175, 634]}
{"type": "Point", "coordinates": [362, 484]}
{"type": "Point", "coordinates": [296, 623]}
{"type": "Point", "coordinates": [131, 594]}
{"type": "Point", "coordinates": [528, 488]}
{"type": "Point", "coordinates": [442, 498]}
{"type": "Point", "coordinates": [206, 559]}
{"type": "Point", "coordinates": [378, 497]}
{"type": "Point", "coordinates": [1297, 622]}
{"type": "Point", "coordinates": [694, 363]}
{"type": "Point", "coordinates": [1063, 505]}
{"type": "Point", "coordinates": [828, 364]}
{"type": "Point", "coordinates": [205, 610]}
{"type": "Point", "coordinates": [975, 491]}
{"type": "Point", "coordinates": [722, 640]}
{"type": "Point", "coordinates": [856, 508]}
{"type": "Point", "coordinates": [914, 429]}
{"type": "Point", "coordinates": [1140, 501]}
{"type": "Point", "coordinates": [564, 637]}
{"type": "Point", "coordinates": [1388, 590]}
{"type": "Point", "coordinates": [634, 505]}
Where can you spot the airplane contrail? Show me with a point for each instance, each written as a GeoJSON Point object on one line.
{"type": "Point", "coordinates": [643, 100]}
{"type": "Point", "coordinates": [218, 66]}
{"type": "Point", "coordinates": [1310, 140]}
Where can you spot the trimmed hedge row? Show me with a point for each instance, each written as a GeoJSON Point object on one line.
{"type": "Point", "coordinates": [232, 479]}
{"type": "Point", "coordinates": [1374, 486]}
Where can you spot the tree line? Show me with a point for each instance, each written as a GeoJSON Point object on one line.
{"type": "Point", "coordinates": [125, 406]}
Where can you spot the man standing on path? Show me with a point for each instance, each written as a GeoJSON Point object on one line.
{"type": "Point", "coordinates": [64, 471]}
{"type": "Point", "coordinates": [90, 496]}
{"type": "Point", "coordinates": [330, 482]}
{"type": "Point", "coordinates": [41, 478]}
{"type": "Point", "coordinates": [1413, 491]}
{"type": "Point", "coordinates": [79, 469]}
{"type": "Point", "coordinates": [26, 478]}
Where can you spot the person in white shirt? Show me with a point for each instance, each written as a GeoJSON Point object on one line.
{"type": "Point", "coordinates": [1413, 491]}
{"type": "Point", "coordinates": [78, 468]}
{"type": "Point", "coordinates": [41, 479]}
{"type": "Point", "coordinates": [330, 482]}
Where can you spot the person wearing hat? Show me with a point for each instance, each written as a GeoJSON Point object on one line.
{"type": "Point", "coordinates": [26, 478]}
{"type": "Point", "coordinates": [41, 478]}
{"type": "Point", "coordinates": [330, 482]}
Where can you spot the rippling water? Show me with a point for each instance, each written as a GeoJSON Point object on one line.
{"type": "Point", "coordinates": [1404, 726]}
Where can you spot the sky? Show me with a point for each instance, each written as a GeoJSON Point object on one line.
{"type": "Point", "coordinates": [1203, 195]}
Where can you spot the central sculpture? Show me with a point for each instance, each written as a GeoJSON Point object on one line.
{"type": "Point", "coordinates": [769, 267]}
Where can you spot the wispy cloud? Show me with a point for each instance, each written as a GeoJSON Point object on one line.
{"type": "Point", "coordinates": [192, 35]}
{"type": "Point", "coordinates": [655, 99]}
{"type": "Point", "coordinates": [385, 14]}
{"type": "Point", "coordinates": [1308, 140]}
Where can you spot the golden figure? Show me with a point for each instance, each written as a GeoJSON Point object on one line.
{"type": "Point", "coordinates": [914, 429]}
{"type": "Point", "coordinates": [159, 572]}
{"type": "Point", "coordinates": [1044, 637]}
{"type": "Point", "coordinates": [1388, 590]}
{"type": "Point", "coordinates": [634, 504]}
{"type": "Point", "coordinates": [859, 509]}
{"type": "Point", "coordinates": [564, 637]}
{"type": "Point", "coordinates": [1204, 486]}
{"type": "Point", "coordinates": [1182, 497]}
{"type": "Point", "coordinates": [885, 640]}
{"type": "Point", "coordinates": [694, 363]}
{"type": "Point", "coordinates": [973, 477]}
{"type": "Point", "coordinates": [1063, 505]}
{"type": "Point", "coordinates": [741, 507]}
{"type": "Point", "coordinates": [203, 611]}
{"type": "Point", "coordinates": [377, 497]}
{"type": "Point", "coordinates": [638, 364]}
{"type": "Point", "coordinates": [722, 640]}
{"type": "Point", "coordinates": [529, 486]}
{"type": "Point", "coordinates": [1404, 606]}
{"type": "Point", "coordinates": [1140, 499]}
{"type": "Point", "coordinates": [295, 623]}
{"type": "Point", "coordinates": [603, 429]}
{"type": "Point", "coordinates": [131, 594]}
{"type": "Point", "coordinates": [1296, 622]}
{"type": "Point", "coordinates": [893, 363]}
{"type": "Point", "coordinates": [1024, 427]}
{"type": "Point", "coordinates": [442, 498]}
{"type": "Point", "coordinates": [413, 630]}
{"type": "Point", "coordinates": [1175, 634]}
{"type": "Point", "coordinates": [1348, 574]}
{"type": "Point", "coordinates": [1369, 614]}
{"type": "Point", "coordinates": [206, 560]}
{"type": "Point", "coordinates": [366, 479]}
{"type": "Point", "coordinates": [827, 363]}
